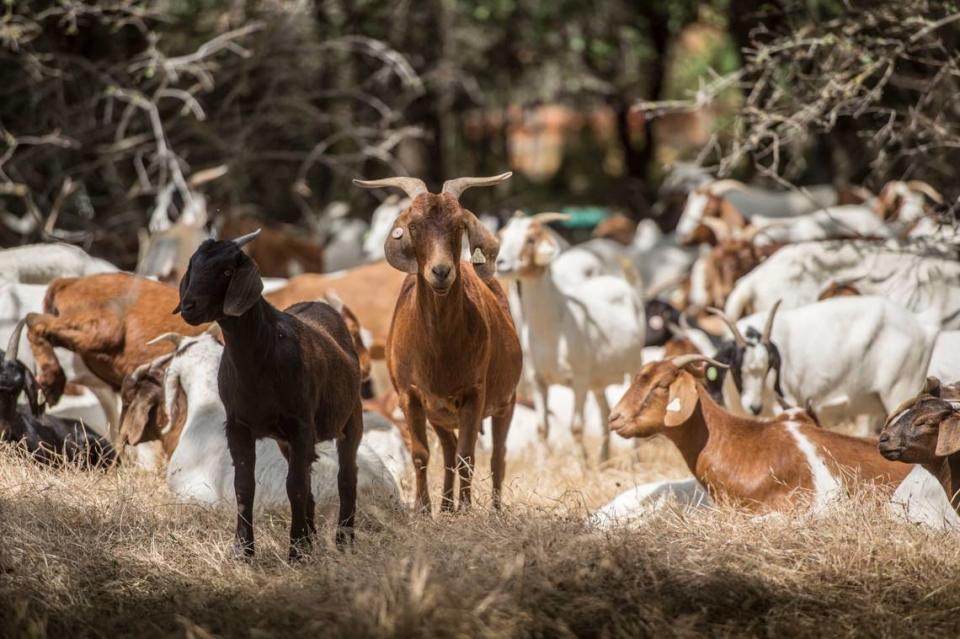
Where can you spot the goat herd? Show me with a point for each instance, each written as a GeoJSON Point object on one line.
{"type": "Point", "coordinates": [764, 322]}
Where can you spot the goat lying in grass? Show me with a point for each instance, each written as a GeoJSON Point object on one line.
{"type": "Point", "coordinates": [47, 439]}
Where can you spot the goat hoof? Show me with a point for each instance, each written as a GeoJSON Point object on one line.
{"type": "Point", "coordinates": [243, 551]}
{"type": "Point", "coordinates": [344, 537]}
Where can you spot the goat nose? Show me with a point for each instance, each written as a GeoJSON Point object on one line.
{"type": "Point", "coordinates": [884, 438]}
{"type": "Point", "coordinates": [441, 271]}
{"type": "Point", "coordinates": [188, 305]}
{"type": "Point", "coordinates": [756, 409]}
{"type": "Point", "coordinates": [615, 419]}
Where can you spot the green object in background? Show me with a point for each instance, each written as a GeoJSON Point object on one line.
{"type": "Point", "coordinates": [584, 216]}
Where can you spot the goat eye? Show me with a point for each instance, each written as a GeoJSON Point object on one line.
{"type": "Point", "coordinates": [228, 272]}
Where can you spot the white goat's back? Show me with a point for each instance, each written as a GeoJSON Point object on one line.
{"type": "Point", "coordinates": [41, 263]}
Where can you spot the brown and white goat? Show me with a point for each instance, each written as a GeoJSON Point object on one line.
{"type": "Point", "coordinates": [453, 352]}
{"type": "Point", "coordinates": [108, 320]}
{"type": "Point", "coordinates": [761, 466]}
{"type": "Point", "coordinates": [925, 430]}
{"type": "Point", "coordinates": [733, 256]}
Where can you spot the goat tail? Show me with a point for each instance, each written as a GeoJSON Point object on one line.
{"type": "Point", "coordinates": [50, 298]}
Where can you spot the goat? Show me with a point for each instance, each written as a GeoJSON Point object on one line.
{"type": "Point", "coordinates": [281, 251]}
{"type": "Point", "coordinates": [42, 263]}
{"type": "Point", "coordinates": [733, 256]}
{"type": "Point", "coordinates": [918, 277]}
{"type": "Point", "coordinates": [659, 316]}
{"type": "Point", "coordinates": [290, 375]}
{"type": "Point", "coordinates": [832, 222]}
{"type": "Point", "coordinates": [588, 336]}
{"type": "Point", "coordinates": [453, 353]}
{"type": "Point", "coordinates": [840, 358]}
{"type": "Point", "coordinates": [200, 468]}
{"type": "Point", "coordinates": [47, 439]}
{"type": "Point", "coordinates": [736, 204]}
{"type": "Point", "coordinates": [658, 259]}
{"type": "Point", "coordinates": [761, 466]}
{"type": "Point", "coordinates": [145, 416]}
{"type": "Point", "coordinates": [106, 320]}
{"type": "Point", "coordinates": [925, 430]}
{"type": "Point", "coordinates": [636, 504]}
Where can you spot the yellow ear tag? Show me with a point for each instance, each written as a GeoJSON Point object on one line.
{"type": "Point", "coordinates": [478, 257]}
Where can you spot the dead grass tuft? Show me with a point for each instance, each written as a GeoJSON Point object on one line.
{"type": "Point", "coordinates": [107, 554]}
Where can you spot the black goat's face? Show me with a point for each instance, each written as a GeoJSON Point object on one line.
{"type": "Point", "coordinates": [16, 379]}
{"type": "Point", "coordinates": [660, 315]}
{"type": "Point", "coordinates": [221, 281]}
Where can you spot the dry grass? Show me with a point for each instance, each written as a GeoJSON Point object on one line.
{"type": "Point", "coordinates": [111, 554]}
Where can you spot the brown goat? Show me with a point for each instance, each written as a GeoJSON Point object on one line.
{"type": "Point", "coordinates": [280, 251]}
{"type": "Point", "coordinates": [925, 430]}
{"type": "Point", "coordinates": [370, 291]}
{"type": "Point", "coordinates": [731, 258]}
{"type": "Point", "coordinates": [762, 466]}
{"type": "Point", "coordinates": [453, 352]}
{"type": "Point", "coordinates": [108, 320]}
{"type": "Point", "coordinates": [144, 417]}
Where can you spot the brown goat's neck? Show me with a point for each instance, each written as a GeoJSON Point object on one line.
{"type": "Point", "coordinates": [947, 472]}
{"type": "Point", "coordinates": [441, 312]}
{"type": "Point", "coordinates": [251, 336]}
{"type": "Point", "coordinates": [709, 422]}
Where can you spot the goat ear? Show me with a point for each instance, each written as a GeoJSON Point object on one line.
{"type": "Point", "coordinates": [484, 246]}
{"type": "Point", "coordinates": [948, 439]}
{"type": "Point", "coordinates": [398, 249]}
{"type": "Point", "coordinates": [244, 289]}
{"type": "Point", "coordinates": [141, 416]}
{"type": "Point", "coordinates": [683, 400]}
{"type": "Point", "coordinates": [184, 283]}
{"type": "Point", "coordinates": [33, 393]}
{"type": "Point", "coordinates": [546, 250]}
{"type": "Point", "coordinates": [932, 386]}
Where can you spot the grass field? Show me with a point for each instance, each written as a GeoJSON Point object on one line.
{"type": "Point", "coordinates": [112, 554]}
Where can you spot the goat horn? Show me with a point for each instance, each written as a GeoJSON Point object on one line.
{"type": "Point", "coordinates": [14, 345]}
{"type": "Point", "coordinates": [718, 226]}
{"type": "Point", "coordinates": [922, 187]}
{"type": "Point", "coordinates": [333, 299]}
{"type": "Point", "coordinates": [246, 239]}
{"type": "Point", "coordinates": [459, 185]}
{"type": "Point", "coordinates": [207, 175]}
{"type": "Point", "coordinates": [666, 285]}
{"type": "Point", "coordinates": [410, 185]}
{"type": "Point", "coordinates": [173, 338]}
{"type": "Point", "coordinates": [737, 335]}
{"type": "Point", "coordinates": [552, 216]}
{"type": "Point", "coordinates": [719, 187]}
{"type": "Point", "coordinates": [685, 360]}
{"type": "Point", "coordinates": [768, 327]}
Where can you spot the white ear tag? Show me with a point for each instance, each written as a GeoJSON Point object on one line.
{"type": "Point", "coordinates": [478, 257]}
{"type": "Point", "coordinates": [674, 405]}
{"type": "Point", "coordinates": [397, 233]}
{"type": "Point", "coordinates": [655, 322]}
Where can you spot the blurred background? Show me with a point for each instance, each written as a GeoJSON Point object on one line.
{"type": "Point", "coordinates": [113, 111]}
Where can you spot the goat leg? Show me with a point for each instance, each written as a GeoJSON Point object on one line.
{"type": "Point", "coordinates": [471, 416]}
{"type": "Point", "coordinates": [448, 440]}
{"type": "Point", "coordinates": [298, 490]}
{"type": "Point", "coordinates": [347, 475]}
{"type": "Point", "coordinates": [600, 395]}
{"type": "Point", "coordinates": [498, 460]}
{"type": "Point", "coordinates": [243, 452]}
{"type": "Point", "coordinates": [576, 426]}
{"type": "Point", "coordinates": [542, 406]}
{"type": "Point", "coordinates": [50, 375]}
{"type": "Point", "coordinates": [419, 446]}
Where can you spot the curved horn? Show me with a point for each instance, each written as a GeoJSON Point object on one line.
{"type": "Point", "coordinates": [552, 216]}
{"type": "Point", "coordinates": [737, 335]}
{"type": "Point", "coordinates": [922, 187]}
{"type": "Point", "coordinates": [718, 226]}
{"type": "Point", "coordinates": [666, 285]}
{"type": "Point", "coordinates": [173, 338]}
{"type": "Point", "coordinates": [14, 345]}
{"type": "Point", "coordinates": [458, 186]}
{"type": "Point", "coordinates": [410, 185]}
{"type": "Point", "coordinates": [685, 360]}
{"type": "Point", "coordinates": [719, 187]}
{"type": "Point", "coordinates": [246, 239]}
{"type": "Point", "coordinates": [768, 327]}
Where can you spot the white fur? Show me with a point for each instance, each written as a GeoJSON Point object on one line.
{"type": "Point", "coordinates": [383, 218]}
{"type": "Point", "coordinates": [919, 277]}
{"type": "Point", "coordinates": [201, 469]}
{"type": "Point", "coordinates": [920, 499]}
{"type": "Point", "coordinates": [826, 487]}
{"type": "Point", "coordinates": [41, 263]}
{"type": "Point", "coordinates": [831, 222]}
{"type": "Point", "coordinates": [945, 361]}
{"type": "Point", "coordinates": [635, 505]}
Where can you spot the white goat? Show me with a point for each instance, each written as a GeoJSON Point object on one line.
{"type": "Point", "coordinates": [852, 220]}
{"type": "Point", "coordinates": [201, 469]}
{"type": "Point", "coordinates": [658, 258]}
{"type": "Point", "coordinates": [633, 506]}
{"type": "Point", "coordinates": [945, 362]}
{"type": "Point", "coordinates": [840, 358]}
{"type": "Point", "coordinates": [381, 224]}
{"type": "Point", "coordinates": [41, 263]}
{"type": "Point", "coordinates": [918, 278]}
{"type": "Point", "coordinates": [588, 335]}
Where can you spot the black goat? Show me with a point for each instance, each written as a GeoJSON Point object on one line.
{"type": "Point", "coordinates": [49, 440]}
{"type": "Point", "coordinates": [660, 315]}
{"type": "Point", "coordinates": [293, 376]}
